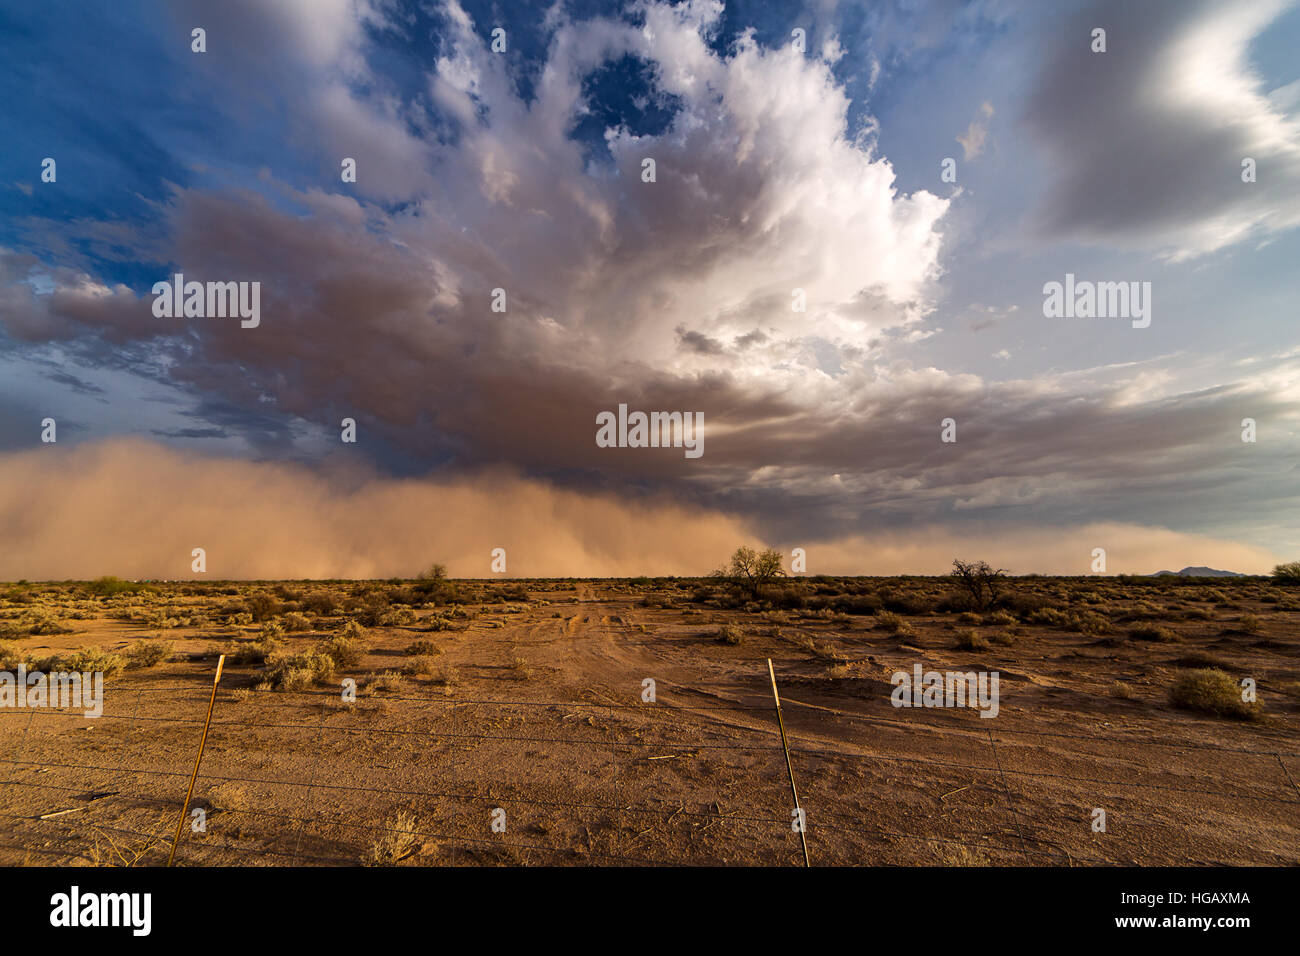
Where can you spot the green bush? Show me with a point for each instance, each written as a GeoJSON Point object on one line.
{"type": "Point", "coordinates": [109, 586]}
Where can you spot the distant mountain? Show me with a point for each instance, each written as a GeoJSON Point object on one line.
{"type": "Point", "coordinates": [1201, 572]}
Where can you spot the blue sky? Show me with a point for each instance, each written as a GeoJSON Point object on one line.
{"type": "Point", "coordinates": [777, 170]}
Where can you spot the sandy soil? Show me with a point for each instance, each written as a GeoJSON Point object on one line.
{"type": "Point", "coordinates": [537, 709]}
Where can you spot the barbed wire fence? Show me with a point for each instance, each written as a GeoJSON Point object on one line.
{"type": "Point", "coordinates": [338, 817]}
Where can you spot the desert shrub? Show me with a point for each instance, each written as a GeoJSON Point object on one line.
{"type": "Point", "coordinates": [1024, 603]}
{"type": "Point", "coordinates": [294, 622]}
{"type": "Point", "coordinates": [1211, 691]}
{"type": "Point", "coordinates": [344, 651]}
{"type": "Point", "coordinates": [388, 681]}
{"type": "Point", "coordinates": [1198, 660]}
{"type": "Point", "coordinates": [47, 663]}
{"type": "Point", "coordinates": [239, 619]}
{"type": "Point", "coordinates": [321, 603]}
{"type": "Point", "coordinates": [1249, 624]}
{"type": "Point", "coordinates": [434, 587]}
{"type": "Point", "coordinates": [968, 617]}
{"type": "Point", "coordinates": [731, 634]}
{"type": "Point", "coordinates": [229, 797]}
{"type": "Point", "coordinates": [1288, 573]}
{"type": "Point", "coordinates": [403, 595]}
{"type": "Point", "coordinates": [890, 622]}
{"type": "Point", "coordinates": [397, 840]}
{"type": "Point", "coordinates": [445, 676]}
{"type": "Point", "coordinates": [396, 617]}
{"type": "Point", "coordinates": [1048, 616]}
{"type": "Point", "coordinates": [903, 603]}
{"type": "Point", "coordinates": [439, 622]}
{"type": "Point", "coordinates": [422, 665]}
{"type": "Point", "coordinates": [981, 581]}
{"type": "Point", "coordinates": [297, 672]}
{"type": "Point", "coordinates": [958, 854]}
{"type": "Point", "coordinates": [10, 658]}
{"type": "Point", "coordinates": [41, 621]}
{"type": "Point", "coordinates": [970, 640]}
{"type": "Point", "coordinates": [262, 606]}
{"type": "Point", "coordinates": [89, 659]}
{"type": "Point", "coordinates": [423, 647]}
{"type": "Point", "coordinates": [372, 610]}
{"type": "Point", "coordinates": [857, 604]}
{"type": "Point", "coordinates": [1142, 611]}
{"type": "Point", "coordinates": [1153, 632]}
{"type": "Point", "coordinates": [108, 586]}
{"type": "Point", "coordinates": [752, 572]}
{"type": "Point", "coordinates": [144, 653]}
{"type": "Point", "coordinates": [792, 598]}
{"type": "Point", "coordinates": [1088, 622]}
{"type": "Point", "coordinates": [517, 592]}
{"type": "Point", "coordinates": [272, 630]}
{"type": "Point", "coordinates": [251, 652]}
{"type": "Point", "coordinates": [954, 602]}
{"type": "Point", "coordinates": [352, 631]}
{"type": "Point", "coordinates": [1000, 617]}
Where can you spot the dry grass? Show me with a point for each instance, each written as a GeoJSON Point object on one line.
{"type": "Point", "coordinates": [145, 653]}
{"type": "Point", "coordinates": [398, 840]}
{"type": "Point", "coordinates": [1211, 691]}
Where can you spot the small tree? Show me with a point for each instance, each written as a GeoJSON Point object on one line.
{"type": "Point", "coordinates": [1287, 573]}
{"type": "Point", "coordinates": [752, 571]}
{"type": "Point", "coordinates": [982, 582]}
{"type": "Point", "coordinates": [434, 587]}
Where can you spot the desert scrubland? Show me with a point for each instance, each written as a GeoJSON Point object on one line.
{"type": "Point", "coordinates": [512, 722]}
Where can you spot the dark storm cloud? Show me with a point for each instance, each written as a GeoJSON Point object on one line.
{"type": "Point", "coordinates": [1146, 140]}
{"type": "Point", "coordinates": [674, 295]}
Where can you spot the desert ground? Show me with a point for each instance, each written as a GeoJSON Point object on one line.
{"type": "Point", "coordinates": [505, 722]}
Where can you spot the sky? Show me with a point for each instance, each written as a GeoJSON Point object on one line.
{"type": "Point", "coordinates": [914, 175]}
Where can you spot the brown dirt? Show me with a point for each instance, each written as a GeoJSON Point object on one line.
{"type": "Point", "coordinates": [541, 715]}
